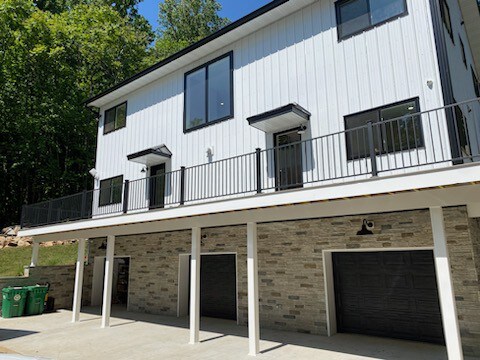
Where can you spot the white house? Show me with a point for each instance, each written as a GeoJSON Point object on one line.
{"type": "Point", "coordinates": [323, 154]}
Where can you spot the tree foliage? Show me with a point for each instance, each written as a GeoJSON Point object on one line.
{"type": "Point", "coordinates": [54, 54]}
{"type": "Point", "coordinates": [50, 62]}
{"type": "Point", "coordinates": [183, 22]}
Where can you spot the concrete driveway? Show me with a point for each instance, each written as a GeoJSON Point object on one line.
{"type": "Point", "coordinates": [142, 336]}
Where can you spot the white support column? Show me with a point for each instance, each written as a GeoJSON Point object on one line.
{"type": "Point", "coordinates": [77, 293]}
{"type": "Point", "coordinates": [195, 287]}
{"type": "Point", "coordinates": [252, 271]}
{"type": "Point", "coordinates": [445, 287]}
{"type": "Point", "coordinates": [35, 249]}
{"type": "Point", "coordinates": [107, 285]}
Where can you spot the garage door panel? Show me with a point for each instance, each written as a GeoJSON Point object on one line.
{"type": "Point", "coordinates": [391, 294]}
{"type": "Point", "coordinates": [398, 281]}
{"type": "Point", "coordinates": [427, 282]}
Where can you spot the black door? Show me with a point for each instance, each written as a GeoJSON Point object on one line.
{"type": "Point", "coordinates": [157, 186]}
{"type": "Point", "coordinates": [218, 286]}
{"type": "Point", "coordinates": [288, 160]}
{"type": "Point", "coordinates": [391, 294]}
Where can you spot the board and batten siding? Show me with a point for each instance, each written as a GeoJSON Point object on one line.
{"type": "Point", "coordinates": [297, 59]}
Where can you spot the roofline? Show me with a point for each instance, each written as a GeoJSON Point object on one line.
{"type": "Point", "coordinates": [253, 15]}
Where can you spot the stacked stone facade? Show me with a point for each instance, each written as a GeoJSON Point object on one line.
{"type": "Point", "coordinates": [290, 264]}
{"type": "Point", "coordinates": [61, 279]}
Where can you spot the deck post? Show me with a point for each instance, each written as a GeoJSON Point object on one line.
{"type": "Point", "coordinates": [252, 272]}
{"type": "Point", "coordinates": [195, 287]}
{"type": "Point", "coordinates": [451, 328]}
{"type": "Point", "coordinates": [107, 285]}
{"type": "Point", "coordinates": [77, 292]}
{"type": "Point", "coordinates": [35, 249]}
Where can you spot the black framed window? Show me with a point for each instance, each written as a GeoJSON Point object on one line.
{"type": "Point", "coordinates": [476, 84]}
{"type": "Point", "coordinates": [111, 191]}
{"type": "Point", "coordinates": [209, 93]}
{"type": "Point", "coordinates": [115, 118]}
{"type": "Point", "coordinates": [355, 16]}
{"type": "Point", "coordinates": [462, 49]}
{"type": "Point", "coordinates": [395, 128]}
{"type": "Point", "coordinates": [447, 20]}
{"type": "Point", "coordinates": [462, 132]}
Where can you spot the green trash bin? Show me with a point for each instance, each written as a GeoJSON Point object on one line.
{"type": "Point", "coordinates": [36, 296]}
{"type": "Point", "coordinates": [13, 303]}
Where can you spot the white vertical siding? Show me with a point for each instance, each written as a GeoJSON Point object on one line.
{"type": "Point", "coordinates": [297, 59]}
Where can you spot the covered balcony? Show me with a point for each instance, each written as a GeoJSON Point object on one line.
{"type": "Point", "coordinates": [413, 143]}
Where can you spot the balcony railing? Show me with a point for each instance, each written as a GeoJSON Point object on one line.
{"type": "Point", "coordinates": [441, 137]}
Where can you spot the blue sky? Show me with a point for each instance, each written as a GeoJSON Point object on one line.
{"type": "Point", "coordinates": [232, 9]}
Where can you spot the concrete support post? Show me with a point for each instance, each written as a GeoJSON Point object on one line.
{"type": "Point", "coordinates": [195, 287]}
{"type": "Point", "coordinates": [35, 249]}
{"type": "Point", "coordinates": [77, 292]}
{"type": "Point", "coordinates": [107, 285]}
{"type": "Point", "coordinates": [252, 272]}
{"type": "Point", "coordinates": [448, 308]}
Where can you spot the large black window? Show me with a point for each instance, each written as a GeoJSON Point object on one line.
{"type": "Point", "coordinates": [462, 49]}
{"type": "Point", "coordinates": [355, 16]}
{"type": "Point", "coordinates": [476, 84]}
{"type": "Point", "coordinates": [447, 20]}
{"type": "Point", "coordinates": [462, 132]}
{"type": "Point", "coordinates": [209, 93]}
{"type": "Point", "coordinates": [115, 118]}
{"type": "Point", "coordinates": [111, 191]}
{"type": "Point", "coordinates": [395, 128]}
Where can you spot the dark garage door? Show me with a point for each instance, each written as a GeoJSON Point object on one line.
{"type": "Point", "coordinates": [391, 293]}
{"type": "Point", "coordinates": [218, 286]}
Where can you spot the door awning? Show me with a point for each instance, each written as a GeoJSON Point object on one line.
{"type": "Point", "coordinates": [280, 119]}
{"type": "Point", "coordinates": [152, 156]}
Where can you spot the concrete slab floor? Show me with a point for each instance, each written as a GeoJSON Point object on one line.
{"type": "Point", "coordinates": [144, 336]}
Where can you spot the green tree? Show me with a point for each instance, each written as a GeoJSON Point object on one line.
{"type": "Point", "coordinates": [183, 22]}
{"type": "Point", "coordinates": [49, 64]}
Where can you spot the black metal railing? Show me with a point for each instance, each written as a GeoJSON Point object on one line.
{"type": "Point", "coordinates": [441, 137]}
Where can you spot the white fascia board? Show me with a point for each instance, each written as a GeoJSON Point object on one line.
{"type": "Point", "coordinates": [380, 194]}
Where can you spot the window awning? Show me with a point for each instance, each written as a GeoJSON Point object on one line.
{"type": "Point", "coordinates": [152, 156]}
{"type": "Point", "coordinates": [280, 119]}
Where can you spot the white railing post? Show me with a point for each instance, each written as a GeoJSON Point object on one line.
{"type": "Point", "coordinates": [77, 292]}
{"type": "Point", "coordinates": [252, 273]}
{"type": "Point", "coordinates": [35, 250]}
{"type": "Point", "coordinates": [195, 287]}
{"type": "Point", "coordinates": [448, 308]}
{"type": "Point", "coordinates": [107, 285]}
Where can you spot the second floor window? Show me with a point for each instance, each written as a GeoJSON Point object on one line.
{"type": "Point", "coordinates": [111, 191]}
{"type": "Point", "coordinates": [209, 93]}
{"type": "Point", "coordinates": [395, 128]}
{"type": "Point", "coordinates": [476, 84]}
{"type": "Point", "coordinates": [115, 118]}
{"type": "Point", "coordinates": [355, 16]}
{"type": "Point", "coordinates": [447, 20]}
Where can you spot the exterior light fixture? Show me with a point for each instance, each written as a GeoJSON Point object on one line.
{"type": "Point", "coordinates": [301, 130]}
{"type": "Point", "coordinates": [367, 228]}
{"type": "Point", "coordinates": [103, 246]}
{"type": "Point", "coordinates": [144, 170]}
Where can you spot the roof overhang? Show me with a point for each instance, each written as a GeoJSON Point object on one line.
{"type": "Point", "coordinates": [283, 118]}
{"type": "Point", "coordinates": [152, 156]}
{"type": "Point", "coordinates": [235, 31]}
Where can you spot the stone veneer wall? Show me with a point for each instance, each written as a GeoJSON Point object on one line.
{"type": "Point", "coordinates": [61, 279]}
{"type": "Point", "coordinates": [291, 279]}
